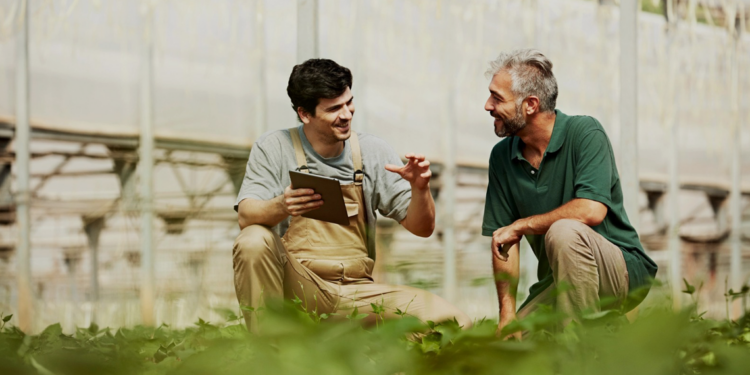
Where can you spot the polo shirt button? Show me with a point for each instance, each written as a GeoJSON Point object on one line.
{"type": "Point", "coordinates": [533, 172]}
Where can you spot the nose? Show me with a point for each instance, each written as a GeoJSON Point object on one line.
{"type": "Point", "coordinates": [347, 113]}
{"type": "Point", "coordinates": [488, 105]}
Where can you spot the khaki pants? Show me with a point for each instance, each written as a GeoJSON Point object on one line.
{"type": "Point", "coordinates": [586, 261]}
{"type": "Point", "coordinates": [263, 270]}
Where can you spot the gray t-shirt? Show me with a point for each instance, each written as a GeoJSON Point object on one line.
{"type": "Point", "coordinates": [272, 157]}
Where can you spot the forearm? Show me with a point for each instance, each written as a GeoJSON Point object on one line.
{"type": "Point", "coordinates": [586, 211]}
{"type": "Point", "coordinates": [506, 281]}
{"type": "Point", "coordinates": [420, 216]}
{"type": "Point", "coordinates": [269, 213]}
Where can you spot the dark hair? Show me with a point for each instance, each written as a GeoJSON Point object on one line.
{"type": "Point", "coordinates": [315, 79]}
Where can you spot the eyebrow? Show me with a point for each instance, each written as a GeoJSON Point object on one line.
{"type": "Point", "coordinates": [496, 93]}
{"type": "Point", "coordinates": [337, 106]}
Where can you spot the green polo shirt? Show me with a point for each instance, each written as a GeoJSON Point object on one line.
{"type": "Point", "coordinates": [578, 163]}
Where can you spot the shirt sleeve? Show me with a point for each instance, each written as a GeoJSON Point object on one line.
{"type": "Point", "coordinates": [594, 168]}
{"type": "Point", "coordinates": [498, 211]}
{"type": "Point", "coordinates": [262, 179]}
{"type": "Point", "coordinates": [392, 192]}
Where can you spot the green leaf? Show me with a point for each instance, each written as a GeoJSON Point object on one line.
{"type": "Point", "coordinates": [431, 343]}
{"type": "Point", "coordinates": [52, 331]}
{"type": "Point", "coordinates": [377, 309]}
{"type": "Point", "coordinates": [689, 289]}
{"type": "Point", "coordinates": [7, 318]}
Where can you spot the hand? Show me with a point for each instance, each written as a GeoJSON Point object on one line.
{"type": "Point", "coordinates": [296, 202]}
{"type": "Point", "coordinates": [503, 239]}
{"type": "Point", "coordinates": [505, 319]}
{"type": "Point", "coordinates": [416, 171]}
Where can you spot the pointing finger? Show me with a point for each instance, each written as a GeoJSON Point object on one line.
{"type": "Point", "coordinates": [393, 168]}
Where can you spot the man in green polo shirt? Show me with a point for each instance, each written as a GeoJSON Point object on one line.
{"type": "Point", "coordinates": [553, 179]}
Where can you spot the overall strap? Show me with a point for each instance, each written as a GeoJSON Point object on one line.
{"type": "Point", "coordinates": [299, 152]}
{"type": "Point", "coordinates": [359, 175]}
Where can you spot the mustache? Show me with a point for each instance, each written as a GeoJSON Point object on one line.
{"type": "Point", "coordinates": [496, 115]}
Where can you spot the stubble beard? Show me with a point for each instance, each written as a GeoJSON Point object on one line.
{"type": "Point", "coordinates": [513, 125]}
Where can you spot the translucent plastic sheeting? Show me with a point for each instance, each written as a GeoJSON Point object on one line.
{"type": "Point", "coordinates": [416, 64]}
{"type": "Point", "coordinates": [413, 59]}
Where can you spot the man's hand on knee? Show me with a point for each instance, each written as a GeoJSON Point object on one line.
{"type": "Point", "coordinates": [502, 240]}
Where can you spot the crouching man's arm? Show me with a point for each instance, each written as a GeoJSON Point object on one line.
{"type": "Point", "coordinates": [506, 267]}
{"type": "Point", "coordinates": [587, 211]}
{"type": "Point", "coordinates": [293, 202]}
{"type": "Point", "coordinates": [420, 216]}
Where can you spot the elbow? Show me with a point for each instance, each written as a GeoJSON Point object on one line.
{"type": "Point", "coordinates": [242, 222]}
{"type": "Point", "coordinates": [593, 221]}
{"type": "Point", "coordinates": [427, 231]}
{"type": "Point", "coordinates": [429, 227]}
{"type": "Point", "coordinates": [419, 229]}
{"type": "Point", "coordinates": [423, 232]}
{"type": "Point", "coordinates": [595, 214]}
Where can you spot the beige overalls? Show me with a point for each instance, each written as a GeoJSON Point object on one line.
{"type": "Point", "coordinates": [326, 265]}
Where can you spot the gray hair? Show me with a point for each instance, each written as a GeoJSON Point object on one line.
{"type": "Point", "coordinates": [531, 74]}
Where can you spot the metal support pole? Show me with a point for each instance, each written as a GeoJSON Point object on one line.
{"type": "Point", "coordinates": [146, 169]}
{"type": "Point", "coordinates": [22, 148]}
{"type": "Point", "coordinates": [448, 200]}
{"type": "Point", "coordinates": [673, 190]}
{"type": "Point", "coordinates": [307, 30]}
{"type": "Point", "coordinates": [629, 108]}
{"type": "Point", "coordinates": [261, 125]}
{"type": "Point", "coordinates": [735, 198]}
{"type": "Point", "coordinates": [93, 228]}
{"type": "Point", "coordinates": [360, 59]}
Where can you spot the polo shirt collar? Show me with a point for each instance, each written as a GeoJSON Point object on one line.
{"type": "Point", "coordinates": [557, 140]}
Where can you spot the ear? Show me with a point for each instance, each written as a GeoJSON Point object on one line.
{"type": "Point", "coordinates": [532, 105]}
{"type": "Point", "coordinates": [303, 115]}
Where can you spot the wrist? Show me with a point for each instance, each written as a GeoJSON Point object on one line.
{"type": "Point", "coordinates": [521, 226]}
{"type": "Point", "coordinates": [506, 316]}
{"type": "Point", "coordinates": [420, 188]}
{"type": "Point", "coordinates": [281, 205]}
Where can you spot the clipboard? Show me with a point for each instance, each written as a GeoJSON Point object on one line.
{"type": "Point", "coordinates": [333, 209]}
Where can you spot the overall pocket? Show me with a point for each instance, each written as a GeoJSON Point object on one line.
{"type": "Point", "coordinates": [322, 234]}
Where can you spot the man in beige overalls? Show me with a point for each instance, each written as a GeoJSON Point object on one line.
{"type": "Point", "coordinates": [280, 253]}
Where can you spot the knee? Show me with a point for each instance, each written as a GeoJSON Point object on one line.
{"type": "Point", "coordinates": [254, 242]}
{"type": "Point", "coordinates": [563, 234]}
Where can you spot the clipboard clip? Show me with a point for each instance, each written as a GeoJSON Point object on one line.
{"type": "Point", "coordinates": [300, 169]}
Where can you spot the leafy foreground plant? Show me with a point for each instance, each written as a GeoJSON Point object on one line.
{"type": "Point", "coordinates": [294, 342]}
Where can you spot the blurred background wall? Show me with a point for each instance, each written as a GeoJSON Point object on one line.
{"type": "Point", "coordinates": [215, 74]}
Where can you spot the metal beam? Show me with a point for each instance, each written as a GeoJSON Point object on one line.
{"type": "Point", "coordinates": [22, 147]}
{"type": "Point", "coordinates": [307, 30]}
{"type": "Point", "coordinates": [629, 108]}
{"type": "Point", "coordinates": [129, 140]}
